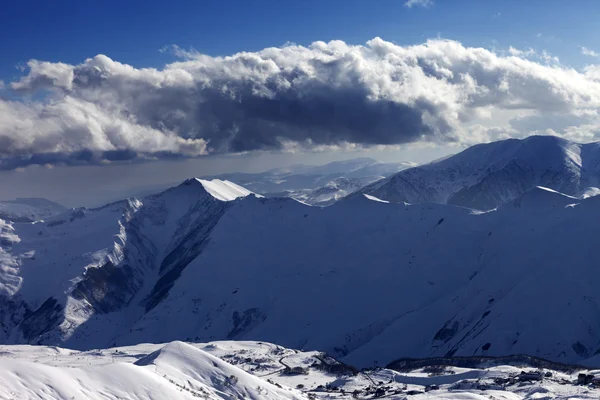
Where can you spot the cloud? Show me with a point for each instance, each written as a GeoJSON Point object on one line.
{"type": "Point", "coordinates": [179, 52]}
{"type": "Point", "coordinates": [325, 95]}
{"type": "Point", "coordinates": [521, 53]}
{"type": "Point", "coordinates": [587, 52]}
{"type": "Point", "coordinates": [45, 74]}
{"type": "Point", "coordinates": [418, 3]}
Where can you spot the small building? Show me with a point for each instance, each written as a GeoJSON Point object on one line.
{"type": "Point", "coordinates": [531, 376]}
{"type": "Point", "coordinates": [585, 379]}
{"type": "Point", "coordinates": [295, 371]}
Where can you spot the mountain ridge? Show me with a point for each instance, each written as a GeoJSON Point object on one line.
{"type": "Point", "coordinates": [485, 176]}
{"type": "Point", "coordinates": [184, 264]}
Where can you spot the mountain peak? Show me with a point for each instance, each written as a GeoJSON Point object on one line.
{"type": "Point", "coordinates": [219, 189]}
{"type": "Point", "coordinates": [488, 175]}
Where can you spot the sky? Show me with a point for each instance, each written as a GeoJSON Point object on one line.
{"type": "Point", "coordinates": [114, 96]}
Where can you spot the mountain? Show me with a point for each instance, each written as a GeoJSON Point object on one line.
{"type": "Point", "coordinates": [487, 175]}
{"type": "Point", "coordinates": [175, 370]}
{"type": "Point", "coordinates": [327, 194]}
{"type": "Point", "coordinates": [365, 280]}
{"type": "Point", "coordinates": [297, 177]}
{"type": "Point", "coordinates": [316, 185]}
{"type": "Point", "coordinates": [29, 209]}
{"type": "Point", "coordinates": [312, 184]}
{"type": "Point", "coordinates": [226, 370]}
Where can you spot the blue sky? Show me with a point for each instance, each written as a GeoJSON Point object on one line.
{"type": "Point", "coordinates": [134, 31]}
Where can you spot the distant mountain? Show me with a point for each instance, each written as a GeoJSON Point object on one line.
{"type": "Point", "coordinates": [316, 185]}
{"type": "Point", "coordinates": [29, 209]}
{"type": "Point", "coordinates": [364, 280]}
{"type": "Point", "coordinates": [487, 175]}
{"type": "Point", "coordinates": [300, 177]}
{"type": "Point", "coordinates": [328, 194]}
{"type": "Point", "coordinates": [312, 184]}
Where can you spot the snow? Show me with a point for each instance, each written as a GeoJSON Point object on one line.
{"type": "Point", "coordinates": [320, 185]}
{"type": "Point", "coordinates": [329, 193]}
{"type": "Point", "coordinates": [255, 370]}
{"type": "Point", "coordinates": [368, 196]}
{"type": "Point", "coordinates": [540, 199]}
{"type": "Point", "coordinates": [370, 280]}
{"type": "Point", "coordinates": [174, 371]}
{"type": "Point", "coordinates": [367, 281]}
{"type": "Point", "coordinates": [488, 175]}
{"type": "Point", "coordinates": [224, 190]}
{"type": "Point", "coordinates": [589, 192]}
{"type": "Point", "coordinates": [29, 209]}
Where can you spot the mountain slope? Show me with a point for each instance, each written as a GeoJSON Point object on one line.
{"type": "Point", "coordinates": [95, 261]}
{"type": "Point", "coordinates": [29, 209]}
{"type": "Point", "coordinates": [258, 370]}
{"type": "Point", "coordinates": [487, 175]}
{"type": "Point", "coordinates": [312, 184]}
{"type": "Point", "coordinates": [173, 371]}
{"type": "Point", "coordinates": [365, 280]}
{"type": "Point", "coordinates": [327, 194]}
{"type": "Point", "coordinates": [299, 177]}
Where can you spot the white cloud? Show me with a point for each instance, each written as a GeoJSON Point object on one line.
{"type": "Point", "coordinates": [45, 74]}
{"type": "Point", "coordinates": [521, 53]}
{"type": "Point", "coordinates": [418, 3]}
{"type": "Point", "coordinates": [549, 58]}
{"type": "Point", "coordinates": [321, 96]}
{"type": "Point", "coordinates": [587, 52]}
{"type": "Point", "coordinates": [179, 52]}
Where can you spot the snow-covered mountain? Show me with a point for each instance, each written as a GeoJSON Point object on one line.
{"type": "Point", "coordinates": [365, 280]}
{"type": "Point", "coordinates": [327, 194]}
{"type": "Point", "coordinates": [316, 185]}
{"type": "Point", "coordinates": [29, 209]}
{"type": "Point", "coordinates": [229, 370]}
{"type": "Point", "coordinates": [175, 370]}
{"type": "Point", "coordinates": [312, 184]}
{"type": "Point", "coordinates": [487, 175]}
{"type": "Point", "coordinates": [298, 177]}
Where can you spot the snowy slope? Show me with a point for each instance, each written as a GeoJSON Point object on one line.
{"type": "Point", "coordinates": [329, 193]}
{"type": "Point", "coordinates": [173, 371]}
{"type": "Point", "coordinates": [259, 370]}
{"type": "Point", "coordinates": [365, 280]}
{"type": "Point", "coordinates": [315, 185]}
{"type": "Point", "coordinates": [306, 177]}
{"type": "Point", "coordinates": [29, 209]}
{"type": "Point", "coordinates": [487, 175]}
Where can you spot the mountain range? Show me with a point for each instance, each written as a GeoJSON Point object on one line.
{"type": "Point", "coordinates": [29, 209]}
{"type": "Point", "coordinates": [319, 185]}
{"type": "Point", "coordinates": [297, 177]}
{"type": "Point", "coordinates": [487, 175]}
{"type": "Point", "coordinates": [365, 280]}
{"type": "Point", "coordinates": [312, 184]}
